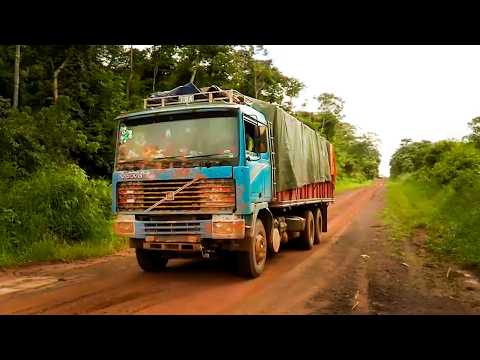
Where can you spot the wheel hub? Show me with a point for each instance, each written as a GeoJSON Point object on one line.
{"type": "Point", "coordinates": [275, 240]}
{"type": "Point", "coordinates": [260, 248]}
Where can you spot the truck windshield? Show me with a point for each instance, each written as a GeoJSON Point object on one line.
{"type": "Point", "coordinates": [180, 140]}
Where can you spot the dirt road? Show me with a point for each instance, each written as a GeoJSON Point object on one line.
{"type": "Point", "coordinates": [353, 270]}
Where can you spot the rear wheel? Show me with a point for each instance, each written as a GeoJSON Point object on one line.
{"type": "Point", "coordinates": [251, 263]}
{"type": "Point", "coordinates": [308, 235]}
{"type": "Point", "coordinates": [150, 260]}
{"type": "Point", "coordinates": [318, 226]}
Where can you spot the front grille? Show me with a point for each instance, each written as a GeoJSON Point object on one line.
{"type": "Point", "coordinates": [204, 196]}
{"type": "Point", "coordinates": [191, 227]}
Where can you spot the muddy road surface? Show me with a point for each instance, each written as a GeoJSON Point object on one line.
{"type": "Point", "coordinates": [353, 270]}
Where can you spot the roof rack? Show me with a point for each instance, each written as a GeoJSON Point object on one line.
{"type": "Point", "coordinates": [225, 96]}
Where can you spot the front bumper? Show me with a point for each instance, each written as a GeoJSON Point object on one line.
{"type": "Point", "coordinates": [218, 227]}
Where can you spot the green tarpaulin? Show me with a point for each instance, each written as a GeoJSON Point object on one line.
{"type": "Point", "coordinates": [301, 153]}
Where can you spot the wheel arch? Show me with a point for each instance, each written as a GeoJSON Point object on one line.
{"type": "Point", "coordinates": [267, 219]}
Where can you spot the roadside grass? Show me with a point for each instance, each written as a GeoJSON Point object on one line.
{"type": "Point", "coordinates": [449, 217]}
{"type": "Point", "coordinates": [408, 207]}
{"type": "Point", "coordinates": [57, 214]}
{"type": "Point", "coordinates": [52, 250]}
{"type": "Point", "coordinates": [350, 184]}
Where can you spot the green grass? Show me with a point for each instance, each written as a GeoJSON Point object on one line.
{"type": "Point", "coordinates": [52, 250]}
{"type": "Point", "coordinates": [56, 214]}
{"type": "Point", "coordinates": [408, 208]}
{"type": "Point", "coordinates": [449, 216]}
{"type": "Point", "coordinates": [350, 184]}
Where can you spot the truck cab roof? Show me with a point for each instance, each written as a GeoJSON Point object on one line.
{"type": "Point", "coordinates": [194, 108]}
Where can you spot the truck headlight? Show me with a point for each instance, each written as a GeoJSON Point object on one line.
{"type": "Point", "coordinates": [228, 227]}
{"type": "Point", "coordinates": [124, 225]}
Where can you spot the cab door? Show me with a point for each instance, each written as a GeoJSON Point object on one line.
{"type": "Point", "coordinates": [257, 158]}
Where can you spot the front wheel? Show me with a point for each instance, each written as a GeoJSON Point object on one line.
{"type": "Point", "coordinates": [150, 260]}
{"type": "Point", "coordinates": [251, 263]}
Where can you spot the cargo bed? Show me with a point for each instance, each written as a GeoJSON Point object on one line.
{"type": "Point", "coordinates": [307, 194]}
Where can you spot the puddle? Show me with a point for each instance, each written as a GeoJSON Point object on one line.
{"type": "Point", "coordinates": [25, 283]}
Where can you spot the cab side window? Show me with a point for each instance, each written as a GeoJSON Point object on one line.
{"type": "Point", "coordinates": [261, 141]}
{"type": "Point", "coordinates": [249, 136]}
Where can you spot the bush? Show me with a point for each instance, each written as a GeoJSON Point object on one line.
{"type": "Point", "coordinates": [449, 213]}
{"type": "Point", "coordinates": [30, 142]}
{"type": "Point", "coordinates": [460, 162]}
{"type": "Point", "coordinates": [54, 205]}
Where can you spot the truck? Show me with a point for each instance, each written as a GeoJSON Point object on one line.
{"type": "Point", "coordinates": [213, 173]}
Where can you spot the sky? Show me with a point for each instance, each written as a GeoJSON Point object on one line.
{"type": "Point", "coordinates": [418, 92]}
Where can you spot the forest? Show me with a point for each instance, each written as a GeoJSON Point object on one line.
{"type": "Point", "coordinates": [435, 188]}
{"type": "Point", "coordinates": [58, 105]}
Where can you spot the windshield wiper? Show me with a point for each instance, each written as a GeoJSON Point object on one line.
{"type": "Point", "coordinates": [167, 157]}
{"type": "Point", "coordinates": [206, 155]}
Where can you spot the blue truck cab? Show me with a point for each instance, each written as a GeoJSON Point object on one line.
{"type": "Point", "coordinates": [195, 179]}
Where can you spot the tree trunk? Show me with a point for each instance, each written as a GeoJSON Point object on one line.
{"type": "Point", "coordinates": [16, 78]}
{"type": "Point", "coordinates": [155, 69]}
{"type": "Point", "coordinates": [155, 72]}
{"type": "Point", "coordinates": [193, 75]}
{"type": "Point", "coordinates": [255, 81]}
{"type": "Point", "coordinates": [195, 66]}
{"type": "Point", "coordinates": [131, 73]}
{"type": "Point", "coordinates": [55, 80]}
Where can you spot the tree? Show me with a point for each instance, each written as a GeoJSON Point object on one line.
{"type": "Point", "coordinates": [330, 113]}
{"type": "Point", "coordinates": [131, 73]}
{"type": "Point", "coordinates": [84, 87]}
{"type": "Point", "coordinates": [329, 103]}
{"type": "Point", "coordinates": [292, 90]}
{"type": "Point", "coordinates": [17, 77]}
{"type": "Point", "coordinates": [329, 116]}
{"type": "Point", "coordinates": [155, 69]}
{"type": "Point", "coordinates": [412, 156]}
{"type": "Point", "coordinates": [357, 156]}
{"type": "Point", "coordinates": [474, 125]}
{"type": "Point", "coordinates": [55, 80]}
{"type": "Point", "coordinates": [160, 62]}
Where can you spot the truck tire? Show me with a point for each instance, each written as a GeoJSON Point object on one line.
{"type": "Point", "coordinates": [308, 235]}
{"type": "Point", "coordinates": [251, 263]}
{"type": "Point", "coordinates": [150, 260]}
{"type": "Point", "coordinates": [318, 225]}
